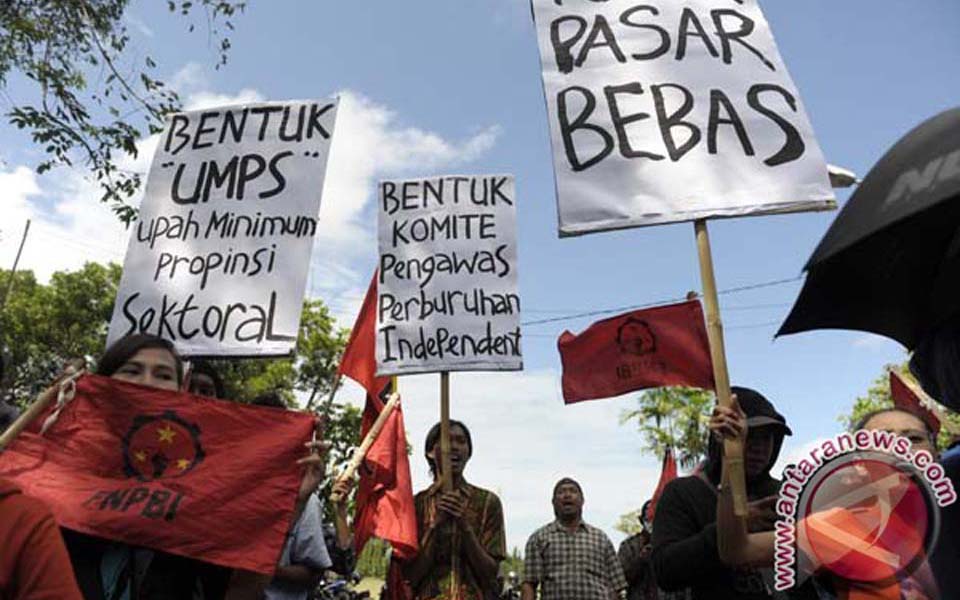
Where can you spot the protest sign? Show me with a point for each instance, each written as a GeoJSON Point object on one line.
{"type": "Point", "coordinates": [218, 259]}
{"type": "Point", "coordinates": [664, 111]}
{"type": "Point", "coordinates": [447, 296]}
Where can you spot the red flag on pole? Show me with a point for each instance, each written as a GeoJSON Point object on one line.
{"type": "Point", "coordinates": [906, 399]}
{"type": "Point", "coordinates": [385, 506]}
{"type": "Point", "coordinates": [668, 472]}
{"type": "Point", "coordinates": [166, 470]}
{"type": "Point", "coordinates": [655, 347]}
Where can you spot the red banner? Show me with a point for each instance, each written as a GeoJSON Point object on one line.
{"type": "Point", "coordinates": [904, 398]}
{"type": "Point", "coordinates": [655, 347]}
{"type": "Point", "coordinates": [197, 477]}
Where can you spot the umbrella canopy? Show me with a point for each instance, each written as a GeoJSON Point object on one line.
{"type": "Point", "coordinates": [890, 262]}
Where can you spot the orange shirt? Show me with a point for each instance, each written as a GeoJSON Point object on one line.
{"type": "Point", "coordinates": [34, 564]}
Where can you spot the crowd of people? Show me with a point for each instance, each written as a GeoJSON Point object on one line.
{"type": "Point", "coordinates": [688, 551]}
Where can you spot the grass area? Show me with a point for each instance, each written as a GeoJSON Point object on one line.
{"type": "Point", "coordinates": [370, 584]}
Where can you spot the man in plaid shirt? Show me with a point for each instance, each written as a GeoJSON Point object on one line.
{"type": "Point", "coordinates": [568, 559]}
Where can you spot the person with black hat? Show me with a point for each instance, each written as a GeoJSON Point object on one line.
{"type": "Point", "coordinates": [685, 553]}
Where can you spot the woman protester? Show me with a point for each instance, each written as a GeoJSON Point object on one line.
{"type": "Point", "coordinates": [114, 571]}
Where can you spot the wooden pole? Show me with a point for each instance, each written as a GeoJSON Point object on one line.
{"type": "Point", "coordinates": [328, 404]}
{"type": "Point", "coordinates": [361, 452]}
{"type": "Point", "coordinates": [732, 449]}
{"type": "Point", "coordinates": [45, 399]}
{"type": "Point", "coordinates": [446, 476]}
{"type": "Point", "coordinates": [13, 271]}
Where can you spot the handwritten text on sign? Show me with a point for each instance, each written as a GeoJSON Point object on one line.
{"type": "Point", "coordinates": [672, 110]}
{"type": "Point", "coordinates": [218, 259]}
{"type": "Point", "coordinates": [448, 296]}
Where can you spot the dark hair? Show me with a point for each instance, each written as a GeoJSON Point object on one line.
{"type": "Point", "coordinates": [202, 367]}
{"type": "Point", "coordinates": [127, 347]}
{"type": "Point", "coordinates": [271, 399]}
{"type": "Point", "coordinates": [567, 480]}
{"type": "Point", "coordinates": [862, 421]}
{"type": "Point", "coordinates": [433, 437]}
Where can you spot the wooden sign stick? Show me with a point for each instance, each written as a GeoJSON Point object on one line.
{"type": "Point", "coordinates": [361, 452]}
{"type": "Point", "coordinates": [446, 477]}
{"type": "Point", "coordinates": [732, 449]}
{"type": "Point", "coordinates": [45, 399]}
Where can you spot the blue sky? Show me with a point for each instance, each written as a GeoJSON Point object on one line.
{"type": "Point", "coordinates": [453, 85]}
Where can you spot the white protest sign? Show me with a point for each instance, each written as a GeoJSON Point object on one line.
{"type": "Point", "coordinates": [672, 110]}
{"type": "Point", "coordinates": [218, 259]}
{"type": "Point", "coordinates": [447, 290]}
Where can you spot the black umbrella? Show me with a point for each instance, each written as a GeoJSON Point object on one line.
{"type": "Point", "coordinates": [890, 263]}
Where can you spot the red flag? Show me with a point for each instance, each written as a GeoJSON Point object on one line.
{"type": "Point", "coordinates": [167, 470]}
{"type": "Point", "coordinates": [385, 495]}
{"type": "Point", "coordinates": [385, 506]}
{"type": "Point", "coordinates": [359, 361]}
{"type": "Point", "coordinates": [668, 472]}
{"type": "Point", "coordinates": [655, 347]}
{"type": "Point", "coordinates": [906, 399]}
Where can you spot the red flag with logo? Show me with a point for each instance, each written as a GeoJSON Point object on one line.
{"type": "Point", "coordinates": [906, 399]}
{"type": "Point", "coordinates": [654, 347]}
{"type": "Point", "coordinates": [166, 470]}
{"type": "Point", "coordinates": [668, 472]}
{"type": "Point", "coordinates": [385, 506]}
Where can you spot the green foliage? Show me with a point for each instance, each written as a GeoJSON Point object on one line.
{"type": "Point", "coordinates": [673, 417]}
{"type": "Point", "coordinates": [309, 372]}
{"type": "Point", "coordinates": [513, 562]}
{"type": "Point", "coordinates": [43, 326]}
{"type": "Point", "coordinates": [629, 523]}
{"type": "Point", "coordinates": [90, 98]}
{"type": "Point", "coordinates": [374, 559]}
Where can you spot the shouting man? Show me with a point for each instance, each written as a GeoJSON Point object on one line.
{"type": "Point", "coordinates": [569, 559]}
{"type": "Point", "coordinates": [461, 532]}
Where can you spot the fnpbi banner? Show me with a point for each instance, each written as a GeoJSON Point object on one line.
{"type": "Point", "coordinates": [217, 261]}
{"type": "Point", "coordinates": [447, 290]}
{"type": "Point", "coordinates": [672, 110]}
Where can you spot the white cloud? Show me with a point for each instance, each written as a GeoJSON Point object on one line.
{"type": "Point", "coordinates": [70, 226]}
{"type": "Point", "coordinates": [370, 143]}
{"type": "Point", "coordinates": [525, 439]}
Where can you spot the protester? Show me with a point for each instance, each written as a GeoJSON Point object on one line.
{"type": "Point", "coordinates": [755, 548]}
{"type": "Point", "coordinates": [205, 381]}
{"type": "Point", "coordinates": [685, 551]}
{"type": "Point", "coordinates": [107, 570]}
{"type": "Point", "coordinates": [569, 559]}
{"type": "Point", "coordinates": [462, 540]}
{"type": "Point", "coordinates": [33, 560]}
{"type": "Point", "coordinates": [634, 555]}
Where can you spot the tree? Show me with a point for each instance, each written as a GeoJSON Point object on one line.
{"type": "Point", "coordinates": [90, 100]}
{"type": "Point", "coordinates": [674, 417]}
{"type": "Point", "coordinates": [374, 559]}
{"type": "Point", "coordinates": [629, 523]}
{"type": "Point", "coordinates": [43, 326]}
{"type": "Point", "coordinates": [513, 562]}
{"type": "Point", "coordinates": [878, 397]}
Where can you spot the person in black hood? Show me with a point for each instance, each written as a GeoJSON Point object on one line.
{"type": "Point", "coordinates": [684, 531]}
